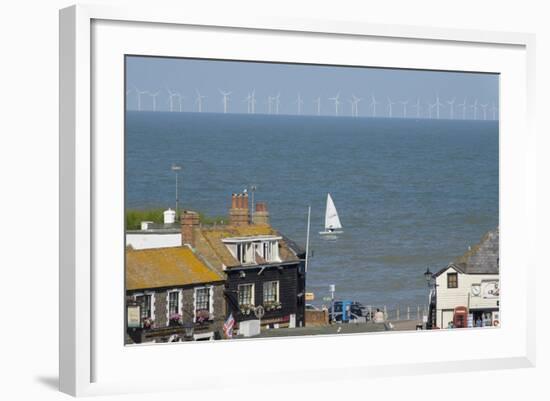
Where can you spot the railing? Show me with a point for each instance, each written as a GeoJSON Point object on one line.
{"type": "Point", "coordinates": [400, 312]}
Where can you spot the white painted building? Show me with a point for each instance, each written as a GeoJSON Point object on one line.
{"type": "Point", "coordinates": [471, 283]}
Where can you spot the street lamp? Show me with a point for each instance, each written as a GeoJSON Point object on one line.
{"type": "Point", "coordinates": [429, 277]}
{"type": "Point", "coordinates": [176, 168]}
{"type": "Point", "coordinates": [253, 189]}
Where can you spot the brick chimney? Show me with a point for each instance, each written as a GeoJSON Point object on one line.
{"type": "Point", "coordinates": [261, 214]}
{"type": "Point", "coordinates": [238, 213]}
{"type": "Point", "coordinates": [189, 224]}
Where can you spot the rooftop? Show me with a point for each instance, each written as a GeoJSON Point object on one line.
{"type": "Point", "coordinates": [166, 267]}
{"type": "Point", "coordinates": [210, 243]}
{"type": "Point", "coordinates": [482, 258]}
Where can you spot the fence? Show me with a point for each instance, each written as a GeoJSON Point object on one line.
{"type": "Point", "coordinates": [400, 312]}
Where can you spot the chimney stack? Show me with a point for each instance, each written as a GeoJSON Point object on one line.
{"type": "Point", "coordinates": [261, 214]}
{"type": "Point", "coordinates": [238, 214]}
{"type": "Point", "coordinates": [189, 224]}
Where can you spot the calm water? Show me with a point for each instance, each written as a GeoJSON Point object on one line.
{"type": "Point", "coordinates": [409, 193]}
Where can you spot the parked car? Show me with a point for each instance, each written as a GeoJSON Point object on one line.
{"type": "Point", "coordinates": [347, 311]}
{"type": "Point", "coordinates": [311, 307]}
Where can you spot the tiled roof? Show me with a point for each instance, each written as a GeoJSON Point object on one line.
{"type": "Point", "coordinates": [210, 246]}
{"type": "Point", "coordinates": [166, 267]}
{"type": "Point", "coordinates": [482, 258]}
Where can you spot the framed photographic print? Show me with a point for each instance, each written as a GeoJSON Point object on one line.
{"type": "Point", "coordinates": [307, 191]}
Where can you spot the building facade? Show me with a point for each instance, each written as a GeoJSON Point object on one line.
{"type": "Point", "coordinates": [175, 292]}
{"type": "Point", "coordinates": [466, 293]}
{"type": "Point", "coordinates": [264, 271]}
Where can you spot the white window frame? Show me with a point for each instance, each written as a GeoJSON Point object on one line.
{"type": "Point", "coordinates": [277, 292]}
{"type": "Point", "coordinates": [180, 303]}
{"type": "Point", "coordinates": [210, 288]}
{"type": "Point", "coordinates": [252, 296]}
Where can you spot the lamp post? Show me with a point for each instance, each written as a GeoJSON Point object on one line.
{"type": "Point", "coordinates": [253, 189]}
{"type": "Point", "coordinates": [428, 275]}
{"type": "Point", "coordinates": [176, 169]}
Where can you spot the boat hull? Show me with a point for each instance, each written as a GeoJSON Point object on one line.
{"type": "Point", "coordinates": [330, 232]}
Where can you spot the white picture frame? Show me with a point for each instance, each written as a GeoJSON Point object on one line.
{"type": "Point", "coordinates": [89, 359]}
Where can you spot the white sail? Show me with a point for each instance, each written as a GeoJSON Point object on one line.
{"type": "Point", "coordinates": [332, 221]}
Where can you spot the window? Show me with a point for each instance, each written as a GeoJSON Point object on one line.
{"type": "Point", "coordinates": [173, 303]}
{"type": "Point", "coordinates": [202, 299]}
{"type": "Point", "coordinates": [271, 291]}
{"type": "Point", "coordinates": [145, 301]}
{"type": "Point", "coordinates": [246, 294]}
{"type": "Point", "coordinates": [452, 280]}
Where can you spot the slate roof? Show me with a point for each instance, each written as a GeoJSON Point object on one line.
{"type": "Point", "coordinates": [209, 244]}
{"type": "Point", "coordinates": [482, 258]}
{"type": "Point", "coordinates": [166, 267]}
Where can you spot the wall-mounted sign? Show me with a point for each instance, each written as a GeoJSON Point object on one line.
{"type": "Point", "coordinates": [133, 313]}
{"type": "Point", "coordinates": [490, 289]}
{"type": "Point", "coordinates": [310, 296]}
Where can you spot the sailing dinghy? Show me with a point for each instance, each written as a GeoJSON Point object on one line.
{"type": "Point", "coordinates": [332, 221]}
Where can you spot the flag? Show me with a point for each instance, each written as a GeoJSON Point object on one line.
{"type": "Point", "coordinates": [228, 326]}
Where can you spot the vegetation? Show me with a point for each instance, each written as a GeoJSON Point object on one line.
{"type": "Point", "coordinates": [134, 217]}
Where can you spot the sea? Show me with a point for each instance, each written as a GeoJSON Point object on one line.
{"type": "Point", "coordinates": [411, 194]}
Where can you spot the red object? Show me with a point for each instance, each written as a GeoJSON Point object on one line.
{"type": "Point", "coordinates": [460, 317]}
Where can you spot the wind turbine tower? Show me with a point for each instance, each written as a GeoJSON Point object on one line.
{"type": "Point", "coordinates": [336, 100]}
{"type": "Point", "coordinates": [494, 109]}
{"type": "Point", "coordinates": [355, 105]}
{"type": "Point", "coordinates": [224, 100]}
{"type": "Point", "coordinates": [154, 96]}
{"type": "Point", "coordinates": [199, 100]}
{"type": "Point", "coordinates": [373, 104]}
{"type": "Point", "coordinates": [474, 106]}
{"type": "Point", "coordinates": [248, 101]}
{"type": "Point", "coordinates": [438, 104]}
{"type": "Point", "coordinates": [417, 107]}
{"type": "Point", "coordinates": [171, 96]}
{"type": "Point", "coordinates": [277, 102]}
{"type": "Point", "coordinates": [318, 103]}
{"type": "Point", "coordinates": [451, 108]}
{"type": "Point", "coordinates": [404, 103]}
{"type": "Point", "coordinates": [300, 103]}
{"type": "Point", "coordinates": [390, 108]}
{"type": "Point", "coordinates": [139, 93]}
{"type": "Point", "coordinates": [463, 105]}
{"type": "Point", "coordinates": [484, 108]}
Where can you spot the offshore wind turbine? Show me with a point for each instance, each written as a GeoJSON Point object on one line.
{"type": "Point", "coordinates": [438, 104]}
{"type": "Point", "coordinates": [336, 102]}
{"type": "Point", "coordinates": [180, 101]}
{"type": "Point", "coordinates": [355, 105]}
{"type": "Point", "coordinates": [139, 93]}
{"type": "Point", "coordinates": [474, 106]}
{"type": "Point", "coordinates": [404, 103]}
{"type": "Point", "coordinates": [270, 104]}
{"type": "Point", "coordinates": [484, 108]}
{"type": "Point", "coordinates": [300, 103]}
{"type": "Point", "coordinates": [494, 109]}
{"type": "Point", "coordinates": [198, 100]}
{"type": "Point", "coordinates": [390, 107]}
{"type": "Point", "coordinates": [154, 96]}
{"type": "Point", "coordinates": [277, 100]}
{"type": "Point", "coordinates": [430, 106]}
{"type": "Point", "coordinates": [373, 104]}
{"type": "Point", "coordinates": [451, 108]}
{"type": "Point", "coordinates": [417, 107]}
{"type": "Point", "coordinates": [224, 100]}
{"type": "Point", "coordinates": [318, 103]}
{"type": "Point", "coordinates": [253, 102]}
{"type": "Point", "coordinates": [463, 105]}
{"type": "Point", "coordinates": [248, 100]}
{"type": "Point", "coordinates": [171, 96]}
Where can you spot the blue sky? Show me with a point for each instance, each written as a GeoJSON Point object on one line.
{"type": "Point", "coordinates": [187, 76]}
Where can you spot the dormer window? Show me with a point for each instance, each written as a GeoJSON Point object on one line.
{"type": "Point", "coordinates": [254, 250]}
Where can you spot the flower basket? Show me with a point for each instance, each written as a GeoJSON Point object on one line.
{"type": "Point", "coordinates": [148, 323]}
{"type": "Point", "coordinates": [175, 319]}
{"type": "Point", "coordinates": [202, 316]}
